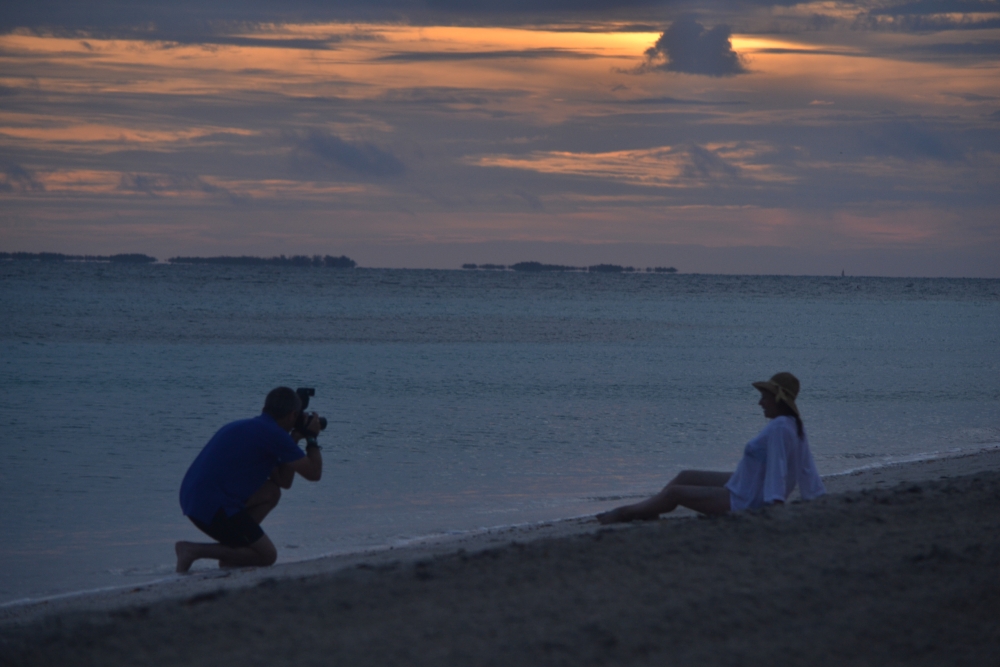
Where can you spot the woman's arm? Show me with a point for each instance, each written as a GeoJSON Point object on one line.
{"type": "Point", "coordinates": [776, 465]}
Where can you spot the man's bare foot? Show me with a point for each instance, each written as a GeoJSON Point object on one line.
{"type": "Point", "coordinates": [185, 556]}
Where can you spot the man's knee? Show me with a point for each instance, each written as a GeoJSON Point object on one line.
{"type": "Point", "coordinates": [266, 550]}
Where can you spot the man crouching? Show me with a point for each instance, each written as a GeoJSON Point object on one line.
{"type": "Point", "coordinates": [237, 479]}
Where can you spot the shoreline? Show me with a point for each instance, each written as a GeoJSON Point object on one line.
{"type": "Point", "coordinates": [894, 566]}
{"type": "Point", "coordinates": [108, 599]}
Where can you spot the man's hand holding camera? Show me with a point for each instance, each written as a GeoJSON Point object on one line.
{"type": "Point", "coordinates": [308, 426]}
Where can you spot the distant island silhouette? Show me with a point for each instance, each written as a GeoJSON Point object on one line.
{"type": "Point", "coordinates": [130, 258]}
{"type": "Point", "coordinates": [486, 267]}
{"type": "Point", "coordinates": [537, 267]}
{"type": "Point", "coordinates": [325, 261]}
{"type": "Point", "coordinates": [328, 261]}
{"type": "Point", "coordinates": [342, 262]}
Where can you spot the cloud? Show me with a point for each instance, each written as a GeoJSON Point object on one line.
{"type": "Point", "coordinates": [932, 16]}
{"type": "Point", "coordinates": [19, 179]}
{"type": "Point", "coordinates": [180, 18]}
{"type": "Point", "coordinates": [904, 139]}
{"type": "Point", "coordinates": [974, 97]}
{"type": "Point", "coordinates": [156, 184]}
{"type": "Point", "coordinates": [363, 158]}
{"type": "Point", "coordinates": [988, 48]}
{"type": "Point", "coordinates": [277, 43]}
{"type": "Point", "coordinates": [925, 7]}
{"type": "Point", "coordinates": [683, 102]}
{"type": "Point", "coordinates": [687, 166]}
{"type": "Point", "coordinates": [501, 6]}
{"type": "Point", "coordinates": [191, 21]}
{"type": "Point", "coordinates": [440, 56]}
{"type": "Point", "coordinates": [170, 185]}
{"type": "Point", "coordinates": [809, 52]}
{"type": "Point", "coordinates": [688, 47]}
{"type": "Point", "coordinates": [707, 164]}
{"type": "Point", "coordinates": [442, 96]}
{"type": "Point", "coordinates": [533, 201]}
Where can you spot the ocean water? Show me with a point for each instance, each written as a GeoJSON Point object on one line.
{"type": "Point", "coordinates": [457, 400]}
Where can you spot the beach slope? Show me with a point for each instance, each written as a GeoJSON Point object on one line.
{"type": "Point", "coordinates": [907, 575]}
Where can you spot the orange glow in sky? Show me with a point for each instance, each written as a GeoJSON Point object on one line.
{"type": "Point", "coordinates": [428, 125]}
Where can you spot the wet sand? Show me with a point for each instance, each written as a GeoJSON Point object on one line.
{"type": "Point", "coordinates": [897, 565]}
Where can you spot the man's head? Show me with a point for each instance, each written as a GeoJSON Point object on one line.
{"type": "Point", "coordinates": [282, 402]}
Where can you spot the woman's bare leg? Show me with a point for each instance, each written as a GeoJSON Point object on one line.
{"type": "Point", "coordinates": [701, 490]}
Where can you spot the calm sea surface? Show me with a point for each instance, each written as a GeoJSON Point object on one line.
{"type": "Point", "coordinates": [457, 400]}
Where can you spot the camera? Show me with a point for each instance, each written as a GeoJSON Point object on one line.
{"type": "Point", "coordinates": [300, 425]}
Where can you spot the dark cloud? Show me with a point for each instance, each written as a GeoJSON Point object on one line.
{"type": "Point", "coordinates": [448, 97]}
{"type": "Point", "coordinates": [925, 7]}
{"type": "Point", "coordinates": [704, 163]}
{"type": "Point", "coordinates": [180, 18]}
{"type": "Point", "coordinates": [19, 179]}
{"type": "Point", "coordinates": [982, 48]}
{"type": "Point", "coordinates": [974, 97]}
{"type": "Point", "coordinates": [688, 47]}
{"type": "Point", "coordinates": [909, 140]}
{"type": "Point", "coordinates": [498, 6]}
{"type": "Point", "coordinates": [185, 20]}
{"type": "Point", "coordinates": [682, 102]}
{"type": "Point", "coordinates": [932, 16]}
{"type": "Point", "coordinates": [437, 56]}
{"type": "Point", "coordinates": [226, 40]}
{"type": "Point", "coordinates": [533, 201]}
{"type": "Point", "coordinates": [810, 52]}
{"type": "Point", "coordinates": [155, 184]}
{"type": "Point", "coordinates": [218, 36]}
{"type": "Point", "coordinates": [363, 158]}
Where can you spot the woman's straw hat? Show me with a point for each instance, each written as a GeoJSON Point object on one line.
{"type": "Point", "coordinates": [785, 388]}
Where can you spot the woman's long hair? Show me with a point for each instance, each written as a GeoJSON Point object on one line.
{"type": "Point", "coordinates": [784, 409]}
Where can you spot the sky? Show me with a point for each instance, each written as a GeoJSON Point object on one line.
{"type": "Point", "coordinates": [752, 137]}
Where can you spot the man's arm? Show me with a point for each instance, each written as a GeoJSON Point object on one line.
{"type": "Point", "coordinates": [309, 466]}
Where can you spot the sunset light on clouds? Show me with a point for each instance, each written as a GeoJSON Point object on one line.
{"type": "Point", "coordinates": [733, 137]}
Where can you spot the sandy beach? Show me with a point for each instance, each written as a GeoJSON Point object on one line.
{"type": "Point", "coordinates": [897, 565]}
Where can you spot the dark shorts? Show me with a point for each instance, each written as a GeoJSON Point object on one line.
{"type": "Point", "coordinates": [238, 530]}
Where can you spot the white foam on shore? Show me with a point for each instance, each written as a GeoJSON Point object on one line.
{"type": "Point", "coordinates": [173, 578]}
{"type": "Point", "coordinates": [890, 461]}
{"type": "Point", "coordinates": [89, 591]}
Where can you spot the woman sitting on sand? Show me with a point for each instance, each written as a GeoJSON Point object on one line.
{"type": "Point", "coordinates": [772, 464]}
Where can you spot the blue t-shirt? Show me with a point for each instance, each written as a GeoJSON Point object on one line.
{"type": "Point", "coordinates": [233, 465]}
